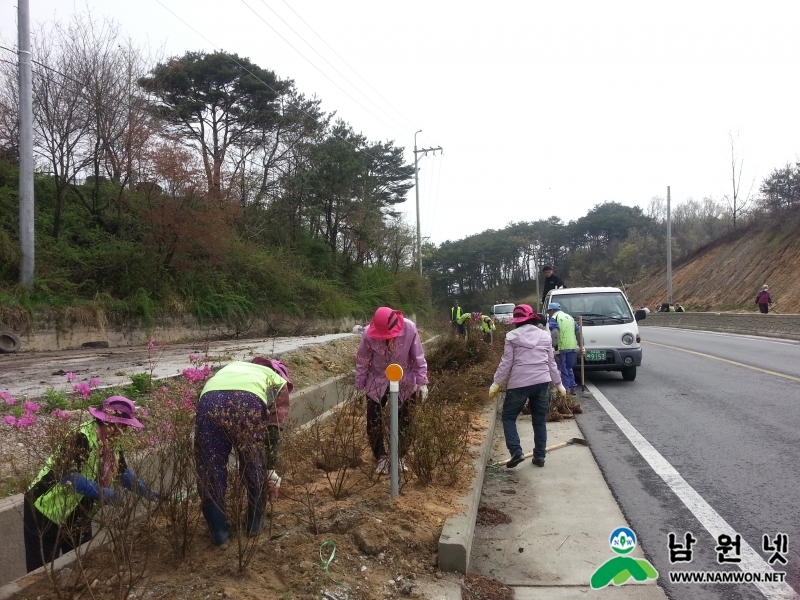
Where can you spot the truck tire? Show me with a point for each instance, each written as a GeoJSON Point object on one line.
{"type": "Point", "coordinates": [629, 373]}
{"type": "Point", "coordinates": [9, 342]}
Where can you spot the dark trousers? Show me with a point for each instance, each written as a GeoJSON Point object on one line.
{"type": "Point", "coordinates": [43, 538]}
{"type": "Point", "coordinates": [764, 308]}
{"type": "Point", "coordinates": [375, 425]}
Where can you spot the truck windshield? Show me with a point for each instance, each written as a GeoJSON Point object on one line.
{"type": "Point", "coordinates": [503, 309]}
{"type": "Point", "coordinates": [611, 305]}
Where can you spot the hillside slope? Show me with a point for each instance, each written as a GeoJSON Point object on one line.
{"type": "Point", "coordinates": [726, 275]}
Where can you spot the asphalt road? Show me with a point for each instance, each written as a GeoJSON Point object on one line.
{"type": "Point", "coordinates": [731, 431]}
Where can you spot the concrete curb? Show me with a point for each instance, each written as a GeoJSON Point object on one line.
{"type": "Point", "coordinates": [455, 541]}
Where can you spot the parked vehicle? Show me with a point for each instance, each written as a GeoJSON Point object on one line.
{"type": "Point", "coordinates": [610, 328]}
{"type": "Point", "coordinates": [501, 313]}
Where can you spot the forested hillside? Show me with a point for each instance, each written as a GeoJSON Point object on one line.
{"type": "Point", "coordinates": [200, 183]}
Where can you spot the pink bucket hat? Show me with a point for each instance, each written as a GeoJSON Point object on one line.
{"type": "Point", "coordinates": [522, 313]}
{"type": "Point", "coordinates": [386, 324]}
{"type": "Point", "coordinates": [276, 366]}
{"type": "Point", "coordinates": [117, 409]}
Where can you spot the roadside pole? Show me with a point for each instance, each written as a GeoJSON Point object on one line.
{"type": "Point", "coordinates": [26, 233]}
{"type": "Point", "coordinates": [669, 253]}
{"type": "Point", "coordinates": [394, 374]}
{"type": "Point", "coordinates": [424, 152]}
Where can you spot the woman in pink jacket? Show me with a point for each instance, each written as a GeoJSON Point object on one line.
{"type": "Point", "coordinates": [390, 338]}
{"type": "Point", "coordinates": [529, 368]}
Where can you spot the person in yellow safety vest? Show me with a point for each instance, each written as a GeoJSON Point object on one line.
{"type": "Point", "coordinates": [76, 480]}
{"type": "Point", "coordinates": [455, 315]}
{"type": "Point", "coordinates": [563, 331]}
{"type": "Point", "coordinates": [487, 325]}
{"type": "Point", "coordinates": [462, 320]}
{"type": "Point", "coordinates": [242, 407]}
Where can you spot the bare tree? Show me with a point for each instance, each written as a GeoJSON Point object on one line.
{"type": "Point", "coordinates": [737, 204]}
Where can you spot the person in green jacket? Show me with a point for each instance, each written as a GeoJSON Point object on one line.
{"type": "Point", "coordinates": [488, 328]}
{"type": "Point", "coordinates": [242, 408]}
{"type": "Point", "coordinates": [76, 480]}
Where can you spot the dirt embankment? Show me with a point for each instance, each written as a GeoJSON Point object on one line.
{"type": "Point", "coordinates": [726, 275]}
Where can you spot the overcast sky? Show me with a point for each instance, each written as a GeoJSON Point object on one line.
{"type": "Point", "coordinates": [542, 108]}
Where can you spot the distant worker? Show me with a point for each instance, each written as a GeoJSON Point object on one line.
{"type": "Point", "coordinates": [529, 367]}
{"type": "Point", "coordinates": [461, 322]}
{"type": "Point", "coordinates": [679, 308]}
{"type": "Point", "coordinates": [645, 309]}
{"type": "Point", "coordinates": [455, 315]}
{"type": "Point", "coordinates": [763, 299]}
{"type": "Point", "coordinates": [551, 281]}
{"type": "Point", "coordinates": [390, 338]}
{"type": "Point", "coordinates": [564, 333]}
{"type": "Point", "coordinates": [487, 325]}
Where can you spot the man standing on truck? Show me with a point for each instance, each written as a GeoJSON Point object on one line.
{"type": "Point", "coordinates": [551, 281]}
{"type": "Point", "coordinates": [563, 331]}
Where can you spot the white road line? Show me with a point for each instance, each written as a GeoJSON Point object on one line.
{"type": "Point", "coordinates": [702, 510]}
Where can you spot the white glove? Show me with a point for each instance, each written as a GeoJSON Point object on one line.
{"type": "Point", "coordinates": [423, 392]}
{"type": "Point", "coordinates": [562, 391]}
{"type": "Point", "coordinates": [273, 484]}
{"type": "Point", "coordinates": [493, 390]}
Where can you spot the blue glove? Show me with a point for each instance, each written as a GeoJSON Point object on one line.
{"type": "Point", "coordinates": [82, 485]}
{"type": "Point", "coordinates": [111, 497]}
{"type": "Point", "coordinates": [130, 482]}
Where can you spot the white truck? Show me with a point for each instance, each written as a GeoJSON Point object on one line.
{"type": "Point", "coordinates": [610, 328]}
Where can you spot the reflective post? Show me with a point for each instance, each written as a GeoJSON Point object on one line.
{"type": "Point", "coordinates": [394, 373]}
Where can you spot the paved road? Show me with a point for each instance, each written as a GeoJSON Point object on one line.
{"type": "Point", "coordinates": [32, 373]}
{"type": "Point", "coordinates": [731, 432]}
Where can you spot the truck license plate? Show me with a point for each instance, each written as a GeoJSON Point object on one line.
{"type": "Point", "coordinates": [595, 355]}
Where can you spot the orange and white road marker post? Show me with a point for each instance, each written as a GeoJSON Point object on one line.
{"type": "Point", "coordinates": [394, 373]}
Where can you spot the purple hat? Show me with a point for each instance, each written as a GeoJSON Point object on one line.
{"type": "Point", "coordinates": [276, 366]}
{"type": "Point", "coordinates": [117, 409]}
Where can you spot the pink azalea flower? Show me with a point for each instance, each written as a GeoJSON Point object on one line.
{"type": "Point", "coordinates": [164, 388]}
{"type": "Point", "coordinates": [70, 377]}
{"type": "Point", "coordinates": [151, 345]}
{"type": "Point", "coordinates": [193, 375]}
{"type": "Point", "coordinates": [31, 407]}
{"type": "Point", "coordinates": [61, 414]}
{"type": "Point", "coordinates": [84, 389]}
{"type": "Point", "coordinates": [25, 421]}
{"type": "Point", "coordinates": [9, 420]}
{"type": "Point", "coordinates": [7, 397]}
{"type": "Point", "coordinates": [94, 382]}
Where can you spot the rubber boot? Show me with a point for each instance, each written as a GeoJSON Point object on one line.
{"type": "Point", "coordinates": [217, 523]}
{"type": "Point", "coordinates": [255, 513]}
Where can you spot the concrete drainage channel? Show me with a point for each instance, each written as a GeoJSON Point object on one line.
{"type": "Point", "coordinates": [313, 404]}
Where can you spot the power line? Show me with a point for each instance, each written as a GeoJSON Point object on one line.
{"type": "Point", "coordinates": [264, 82]}
{"type": "Point", "coordinates": [329, 63]}
{"type": "Point", "coordinates": [345, 62]}
{"type": "Point", "coordinates": [317, 68]}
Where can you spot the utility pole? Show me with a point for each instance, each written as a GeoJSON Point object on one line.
{"type": "Point", "coordinates": [25, 144]}
{"type": "Point", "coordinates": [424, 152]}
{"type": "Point", "coordinates": [669, 252]}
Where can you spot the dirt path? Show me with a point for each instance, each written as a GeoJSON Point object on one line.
{"type": "Point", "coordinates": [31, 374]}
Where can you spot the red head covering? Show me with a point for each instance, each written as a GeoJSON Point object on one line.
{"type": "Point", "coordinates": [386, 324]}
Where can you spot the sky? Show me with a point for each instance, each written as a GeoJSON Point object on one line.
{"type": "Point", "coordinates": [541, 108]}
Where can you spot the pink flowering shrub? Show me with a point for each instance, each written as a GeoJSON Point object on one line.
{"type": "Point", "coordinates": [195, 375]}
{"type": "Point", "coordinates": [83, 389]}
{"type": "Point", "coordinates": [27, 419]}
{"type": "Point", "coordinates": [70, 377]}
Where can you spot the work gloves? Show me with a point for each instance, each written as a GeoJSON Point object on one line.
{"type": "Point", "coordinates": [493, 389]}
{"type": "Point", "coordinates": [273, 485]}
{"type": "Point", "coordinates": [422, 392]}
{"type": "Point", "coordinates": [562, 391]}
